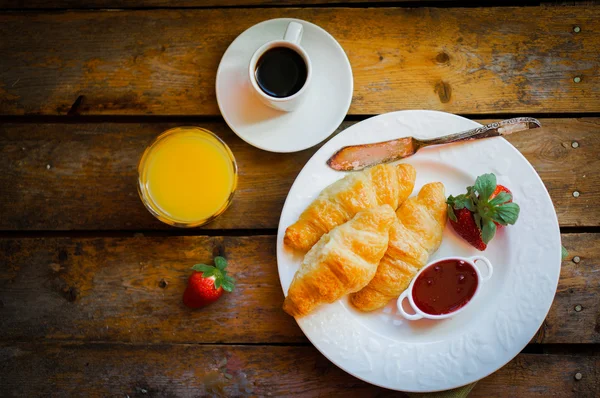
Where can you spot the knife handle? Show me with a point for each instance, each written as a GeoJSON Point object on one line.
{"type": "Point", "coordinates": [496, 129]}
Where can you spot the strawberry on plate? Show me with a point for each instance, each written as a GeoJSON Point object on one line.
{"type": "Point", "coordinates": [476, 215]}
{"type": "Point", "coordinates": [207, 284]}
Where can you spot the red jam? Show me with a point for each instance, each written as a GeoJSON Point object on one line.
{"type": "Point", "coordinates": [444, 287]}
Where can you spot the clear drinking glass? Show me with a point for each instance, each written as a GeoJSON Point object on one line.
{"type": "Point", "coordinates": [153, 157]}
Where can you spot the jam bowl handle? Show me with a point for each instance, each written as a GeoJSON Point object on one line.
{"type": "Point", "coordinates": [410, 317]}
{"type": "Point", "coordinates": [490, 269]}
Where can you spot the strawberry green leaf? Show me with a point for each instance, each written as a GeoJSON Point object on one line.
{"type": "Point", "coordinates": [488, 231]}
{"type": "Point", "coordinates": [451, 214]}
{"type": "Point", "coordinates": [202, 268]}
{"type": "Point", "coordinates": [210, 272]}
{"type": "Point", "coordinates": [477, 218]}
{"type": "Point", "coordinates": [496, 218]}
{"type": "Point", "coordinates": [470, 204]}
{"type": "Point", "coordinates": [459, 204]}
{"type": "Point", "coordinates": [450, 200]}
{"type": "Point", "coordinates": [472, 194]}
{"type": "Point", "coordinates": [220, 263]}
{"type": "Point", "coordinates": [228, 285]}
{"type": "Point", "coordinates": [218, 282]}
{"type": "Point", "coordinates": [485, 185]}
{"type": "Point", "coordinates": [501, 198]}
{"type": "Point", "coordinates": [563, 252]}
{"type": "Point", "coordinates": [463, 201]}
{"type": "Point", "coordinates": [508, 212]}
{"type": "Point", "coordinates": [485, 210]}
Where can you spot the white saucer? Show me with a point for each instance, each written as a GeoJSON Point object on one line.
{"type": "Point", "coordinates": [326, 103]}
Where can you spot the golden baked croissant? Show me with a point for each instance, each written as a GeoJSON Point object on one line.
{"type": "Point", "coordinates": [416, 233]}
{"type": "Point", "coordinates": [343, 261]}
{"type": "Point", "coordinates": [340, 201]}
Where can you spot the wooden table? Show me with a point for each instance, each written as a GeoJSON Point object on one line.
{"type": "Point", "coordinates": [91, 283]}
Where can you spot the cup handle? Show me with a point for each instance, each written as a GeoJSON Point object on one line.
{"type": "Point", "coordinates": [293, 33]}
{"type": "Point", "coordinates": [410, 317]}
{"type": "Point", "coordinates": [488, 265]}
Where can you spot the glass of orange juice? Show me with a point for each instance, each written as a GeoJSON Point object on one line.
{"type": "Point", "coordinates": [187, 177]}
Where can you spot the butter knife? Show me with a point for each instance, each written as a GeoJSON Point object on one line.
{"type": "Point", "coordinates": [357, 157]}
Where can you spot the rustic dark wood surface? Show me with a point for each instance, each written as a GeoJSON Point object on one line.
{"type": "Point", "coordinates": [91, 284]}
{"type": "Point", "coordinates": [164, 62]}
{"type": "Point", "coordinates": [129, 290]}
{"type": "Point", "coordinates": [54, 4]}
{"type": "Point", "coordinates": [94, 178]}
{"type": "Point", "coordinates": [99, 370]}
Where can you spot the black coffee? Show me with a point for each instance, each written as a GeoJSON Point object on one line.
{"type": "Point", "coordinates": [281, 72]}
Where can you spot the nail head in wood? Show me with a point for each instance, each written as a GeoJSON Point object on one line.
{"type": "Point", "coordinates": [576, 194]}
{"type": "Point", "coordinates": [577, 79]}
{"type": "Point", "coordinates": [578, 376]}
{"type": "Point", "coordinates": [576, 29]}
{"type": "Point", "coordinates": [163, 284]}
{"type": "Point", "coordinates": [48, 167]}
{"type": "Point", "coordinates": [576, 259]}
{"type": "Point", "coordinates": [575, 144]}
{"type": "Point", "coordinates": [578, 308]}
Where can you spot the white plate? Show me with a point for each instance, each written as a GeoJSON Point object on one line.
{"type": "Point", "coordinates": [321, 112]}
{"type": "Point", "coordinates": [384, 349]}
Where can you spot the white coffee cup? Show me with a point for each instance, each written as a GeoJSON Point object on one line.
{"type": "Point", "coordinates": [291, 39]}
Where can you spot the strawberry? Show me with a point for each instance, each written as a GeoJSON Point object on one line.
{"type": "Point", "coordinates": [206, 284]}
{"type": "Point", "coordinates": [465, 226]}
{"type": "Point", "coordinates": [476, 214]}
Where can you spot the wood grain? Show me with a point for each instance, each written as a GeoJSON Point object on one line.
{"type": "Point", "coordinates": [564, 168]}
{"type": "Point", "coordinates": [86, 176]}
{"type": "Point", "coordinates": [97, 370]}
{"type": "Point", "coordinates": [91, 180]}
{"type": "Point", "coordinates": [109, 289]}
{"type": "Point", "coordinates": [578, 286]}
{"type": "Point", "coordinates": [78, 4]}
{"type": "Point", "coordinates": [461, 60]}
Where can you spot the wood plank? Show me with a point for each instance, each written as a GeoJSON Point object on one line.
{"type": "Point", "coordinates": [565, 169]}
{"type": "Point", "coordinates": [192, 370]}
{"type": "Point", "coordinates": [542, 375]}
{"type": "Point", "coordinates": [77, 4]}
{"type": "Point", "coordinates": [92, 178]}
{"type": "Point", "coordinates": [109, 289]}
{"type": "Point", "coordinates": [91, 182]}
{"type": "Point", "coordinates": [579, 285]}
{"type": "Point", "coordinates": [462, 60]}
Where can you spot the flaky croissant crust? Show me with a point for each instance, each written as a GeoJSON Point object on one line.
{"type": "Point", "coordinates": [343, 261]}
{"type": "Point", "coordinates": [340, 201]}
{"type": "Point", "coordinates": [414, 236]}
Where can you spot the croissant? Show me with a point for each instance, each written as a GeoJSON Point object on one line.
{"type": "Point", "coordinates": [340, 201]}
{"type": "Point", "coordinates": [414, 235]}
{"type": "Point", "coordinates": [343, 261]}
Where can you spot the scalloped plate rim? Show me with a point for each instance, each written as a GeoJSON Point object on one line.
{"type": "Point", "coordinates": [339, 141]}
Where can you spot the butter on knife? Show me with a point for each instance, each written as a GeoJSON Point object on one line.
{"type": "Point", "coordinates": [357, 157]}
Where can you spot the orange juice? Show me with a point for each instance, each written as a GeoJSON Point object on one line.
{"type": "Point", "coordinates": [187, 176]}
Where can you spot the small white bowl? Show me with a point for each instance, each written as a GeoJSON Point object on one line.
{"type": "Point", "coordinates": [419, 314]}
